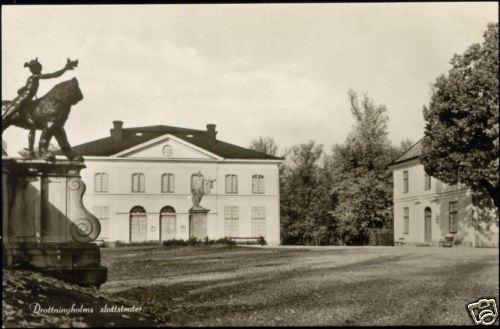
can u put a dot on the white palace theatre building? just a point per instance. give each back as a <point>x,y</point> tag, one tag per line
<point>427,211</point>
<point>139,184</point>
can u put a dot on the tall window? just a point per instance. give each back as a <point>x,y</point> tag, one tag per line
<point>192,180</point>
<point>258,184</point>
<point>258,221</point>
<point>231,184</point>
<point>138,182</point>
<point>406,220</point>
<point>427,182</point>
<point>405,181</point>
<point>231,217</point>
<point>101,182</point>
<point>453,217</point>
<point>167,183</point>
<point>102,214</point>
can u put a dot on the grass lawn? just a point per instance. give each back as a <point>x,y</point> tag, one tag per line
<point>224,286</point>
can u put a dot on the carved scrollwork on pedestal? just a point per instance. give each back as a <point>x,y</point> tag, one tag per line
<point>85,226</point>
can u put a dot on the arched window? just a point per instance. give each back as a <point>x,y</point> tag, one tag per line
<point>138,182</point>
<point>192,179</point>
<point>167,183</point>
<point>231,184</point>
<point>258,184</point>
<point>168,223</point>
<point>101,182</point>
<point>138,210</point>
<point>138,224</point>
<point>167,210</point>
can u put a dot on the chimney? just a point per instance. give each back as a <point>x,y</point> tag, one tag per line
<point>211,133</point>
<point>117,132</point>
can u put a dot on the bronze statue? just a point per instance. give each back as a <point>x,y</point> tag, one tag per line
<point>200,187</point>
<point>48,113</point>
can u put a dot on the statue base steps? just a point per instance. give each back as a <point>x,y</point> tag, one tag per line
<point>78,263</point>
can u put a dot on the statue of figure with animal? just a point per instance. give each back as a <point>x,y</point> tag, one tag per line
<point>47,113</point>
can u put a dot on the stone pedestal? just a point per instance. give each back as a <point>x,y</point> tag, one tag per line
<point>198,223</point>
<point>45,224</point>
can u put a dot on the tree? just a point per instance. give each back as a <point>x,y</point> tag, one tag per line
<point>265,145</point>
<point>404,146</point>
<point>362,184</point>
<point>461,140</point>
<point>305,198</point>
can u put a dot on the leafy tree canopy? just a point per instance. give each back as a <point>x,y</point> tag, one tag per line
<point>461,140</point>
<point>265,145</point>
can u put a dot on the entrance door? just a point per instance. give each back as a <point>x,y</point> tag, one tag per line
<point>138,224</point>
<point>428,224</point>
<point>167,223</point>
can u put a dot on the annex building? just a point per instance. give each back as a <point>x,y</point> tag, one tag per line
<point>426,209</point>
<point>139,184</point>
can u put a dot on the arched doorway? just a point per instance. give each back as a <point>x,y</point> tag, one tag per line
<point>167,223</point>
<point>138,225</point>
<point>428,224</point>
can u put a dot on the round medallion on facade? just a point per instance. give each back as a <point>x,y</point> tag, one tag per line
<point>167,151</point>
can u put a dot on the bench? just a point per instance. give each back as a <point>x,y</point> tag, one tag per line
<point>446,241</point>
<point>400,242</point>
<point>241,240</point>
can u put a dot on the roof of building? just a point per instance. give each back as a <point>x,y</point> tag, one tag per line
<point>131,137</point>
<point>412,153</point>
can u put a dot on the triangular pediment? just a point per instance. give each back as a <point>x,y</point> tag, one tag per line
<point>167,147</point>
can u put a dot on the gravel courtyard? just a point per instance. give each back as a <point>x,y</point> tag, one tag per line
<point>227,286</point>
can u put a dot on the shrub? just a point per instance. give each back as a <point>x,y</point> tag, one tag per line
<point>197,242</point>
<point>121,243</point>
<point>262,241</point>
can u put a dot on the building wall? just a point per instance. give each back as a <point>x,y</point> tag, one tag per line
<point>475,226</point>
<point>119,199</point>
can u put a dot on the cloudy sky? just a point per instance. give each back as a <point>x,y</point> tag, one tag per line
<point>280,70</point>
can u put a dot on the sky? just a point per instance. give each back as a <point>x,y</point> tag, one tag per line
<point>278,70</point>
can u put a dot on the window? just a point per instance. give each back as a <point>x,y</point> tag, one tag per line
<point>138,182</point>
<point>231,216</point>
<point>138,224</point>
<point>257,184</point>
<point>406,220</point>
<point>427,182</point>
<point>231,184</point>
<point>102,214</point>
<point>101,182</point>
<point>405,181</point>
<point>258,221</point>
<point>167,183</point>
<point>453,217</point>
<point>198,180</point>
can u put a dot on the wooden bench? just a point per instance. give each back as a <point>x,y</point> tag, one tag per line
<point>446,241</point>
<point>400,242</point>
<point>241,240</point>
